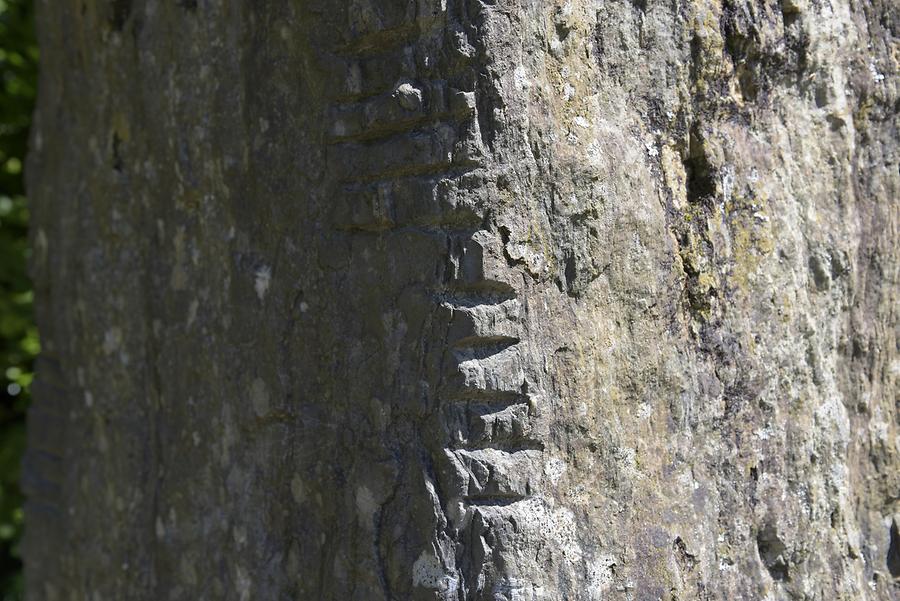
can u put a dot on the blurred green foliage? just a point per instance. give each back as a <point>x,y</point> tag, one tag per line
<point>18,335</point>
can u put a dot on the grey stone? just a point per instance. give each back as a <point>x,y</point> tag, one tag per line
<point>465,301</point>
<point>408,96</point>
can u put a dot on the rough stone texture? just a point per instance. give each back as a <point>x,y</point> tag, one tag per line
<point>509,300</point>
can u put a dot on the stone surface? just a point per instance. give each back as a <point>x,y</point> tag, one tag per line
<point>507,300</point>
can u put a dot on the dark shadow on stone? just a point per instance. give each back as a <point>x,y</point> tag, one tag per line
<point>893,554</point>
<point>772,553</point>
<point>121,10</point>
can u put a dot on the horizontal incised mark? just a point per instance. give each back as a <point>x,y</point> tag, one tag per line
<point>489,344</point>
<point>43,509</point>
<point>387,115</point>
<point>36,487</point>
<point>449,168</point>
<point>414,201</point>
<point>497,398</point>
<point>424,229</point>
<point>503,426</point>
<point>511,446</point>
<point>485,292</point>
<point>493,500</point>
<point>386,38</point>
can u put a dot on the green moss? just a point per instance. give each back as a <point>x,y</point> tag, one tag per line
<point>751,241</point>
<point>700,283</point>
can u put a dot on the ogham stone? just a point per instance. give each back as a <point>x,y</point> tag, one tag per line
<point>461,300</point>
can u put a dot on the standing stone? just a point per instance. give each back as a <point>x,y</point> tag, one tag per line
<point>466,300</point>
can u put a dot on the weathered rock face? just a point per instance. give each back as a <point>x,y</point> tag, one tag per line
<point>459,300</point>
